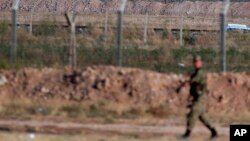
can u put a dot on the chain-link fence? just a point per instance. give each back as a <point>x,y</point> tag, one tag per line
<point>48,45</point>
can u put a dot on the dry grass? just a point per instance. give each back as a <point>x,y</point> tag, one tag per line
<point>162,52</point>
<point>133,36</point>
<point>238,39</point>
<point>229,118</point>
<point>24,108</point>
<point>95,137</point>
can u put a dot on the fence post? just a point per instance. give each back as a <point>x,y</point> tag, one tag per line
<point>222,42</point>
<point>31,16</point>
<point>106,26</point>
<point>181,31</point>
<point>72,50</point>
<point>119,32</point>
<point>222,35</point>
<point>145,38</point>
<point>13,49</point>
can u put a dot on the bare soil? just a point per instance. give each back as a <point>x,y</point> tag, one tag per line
<point>53,127</point>
<point>228,93</point>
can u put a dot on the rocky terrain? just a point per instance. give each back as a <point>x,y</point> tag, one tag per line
<point>228,92</point>
<point>197,8</point>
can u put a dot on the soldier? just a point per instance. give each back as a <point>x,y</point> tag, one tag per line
<point>198,90</point>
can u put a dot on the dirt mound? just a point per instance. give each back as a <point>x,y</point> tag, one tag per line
<point>228,92</point>
<point>198,8</point>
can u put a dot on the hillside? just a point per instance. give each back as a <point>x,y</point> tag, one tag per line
<point>189,8</point>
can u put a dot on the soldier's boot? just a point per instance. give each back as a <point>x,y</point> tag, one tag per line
<point>214,133</point>
<point>187,134</point>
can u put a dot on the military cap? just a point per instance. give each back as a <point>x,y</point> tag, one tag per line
<point>196,58</point>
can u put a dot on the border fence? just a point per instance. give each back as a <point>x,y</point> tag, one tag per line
<point>95,38</point>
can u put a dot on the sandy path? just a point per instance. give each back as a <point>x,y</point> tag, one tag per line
<point>114,128</point>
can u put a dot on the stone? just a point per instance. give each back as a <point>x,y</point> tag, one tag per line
<point>3,80</point>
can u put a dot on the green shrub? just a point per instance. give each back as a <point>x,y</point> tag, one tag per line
<point>163,60</point>
<point>165,33</point>
<point>72,110</point>
<point>96,111</point>
<point>46,28</point>
<point>4,64</point>
<point>39,110</point>
<point>3,27</point>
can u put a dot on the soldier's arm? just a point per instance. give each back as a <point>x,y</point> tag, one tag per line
<point>183,83</point>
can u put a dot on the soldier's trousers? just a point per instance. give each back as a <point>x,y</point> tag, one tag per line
<point>198,112</point>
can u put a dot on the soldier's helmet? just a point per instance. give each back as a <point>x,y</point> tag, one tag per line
<point>197,58</point>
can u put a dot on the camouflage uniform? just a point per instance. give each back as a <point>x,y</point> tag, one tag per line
<point>198,90</point>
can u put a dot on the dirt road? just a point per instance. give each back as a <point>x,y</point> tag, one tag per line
<point>100,128</point>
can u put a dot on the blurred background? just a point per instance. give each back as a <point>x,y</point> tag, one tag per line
<point>59,78</point>
<point>151,37</point>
